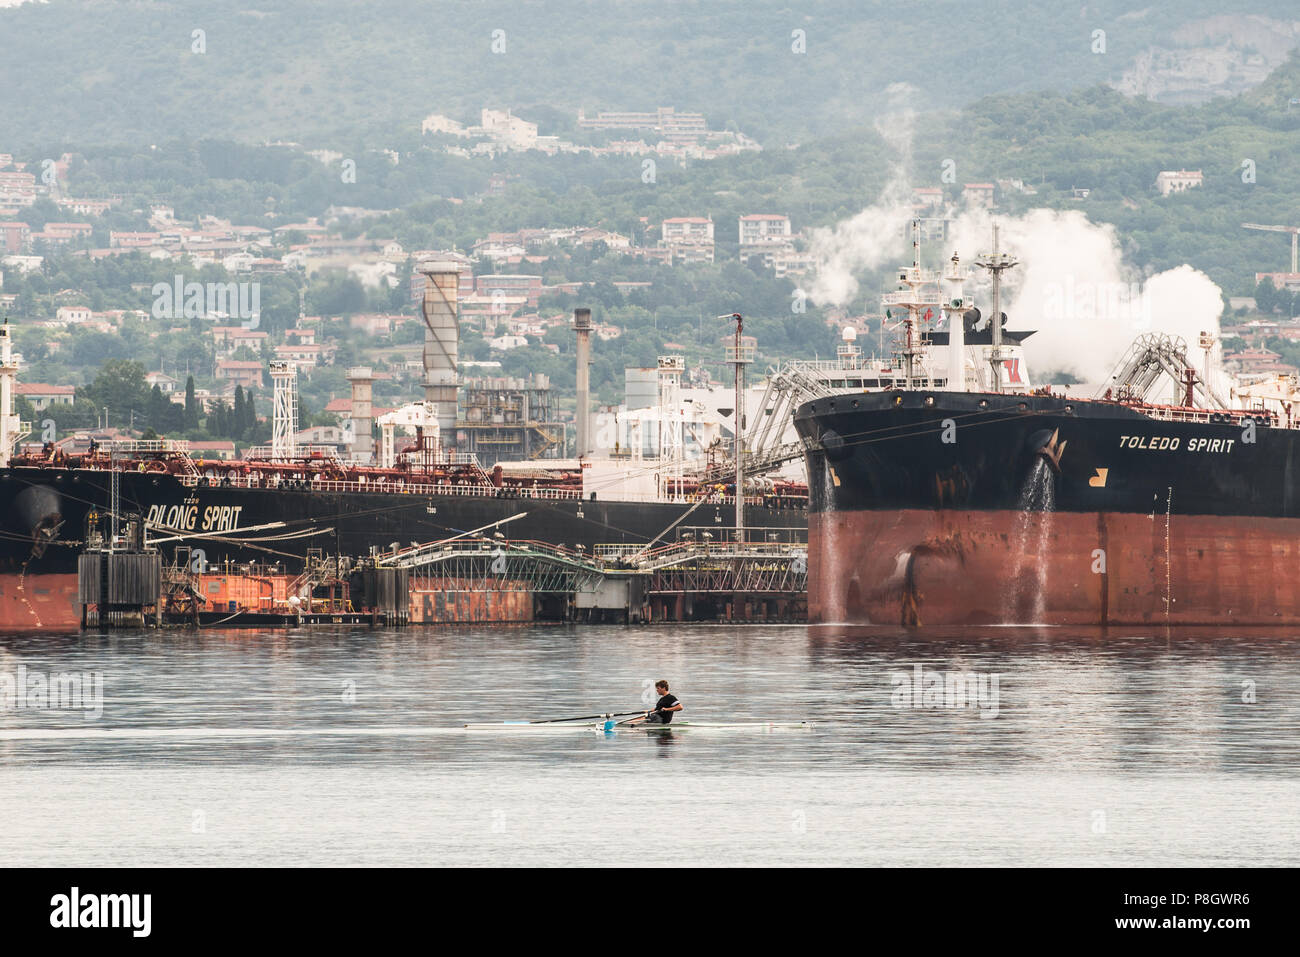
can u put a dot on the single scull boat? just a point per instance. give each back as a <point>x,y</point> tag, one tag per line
<point>608,726</point>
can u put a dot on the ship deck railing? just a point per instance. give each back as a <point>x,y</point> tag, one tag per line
<point>269,453</point>
<point>686,567</point>
<point>636,556</point>
<point>150,446</point>
<point>216,480</point>
<point>1167,413</point>
<point>716,539</point>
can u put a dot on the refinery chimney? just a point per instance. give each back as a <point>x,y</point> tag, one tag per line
<point>582,326</point>
<point>442,343</point>
<point>362,380</point>
<point>12,431</point>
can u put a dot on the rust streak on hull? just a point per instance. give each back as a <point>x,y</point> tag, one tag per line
<point>46,603</point>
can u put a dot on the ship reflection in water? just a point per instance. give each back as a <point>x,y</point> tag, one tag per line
<point>981,746</point>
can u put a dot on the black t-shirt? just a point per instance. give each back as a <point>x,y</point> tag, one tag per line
<point>667,701</point>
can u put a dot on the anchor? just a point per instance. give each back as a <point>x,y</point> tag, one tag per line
<point>1049,447</point>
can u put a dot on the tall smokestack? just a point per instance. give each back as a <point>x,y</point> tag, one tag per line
<point>582,326</point>
<point>11,430</point>
<point>442,343</point>
<point>362,379</point>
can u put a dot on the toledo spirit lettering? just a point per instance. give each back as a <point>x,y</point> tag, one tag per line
<point>1172,443</point>
<point>214,518</point>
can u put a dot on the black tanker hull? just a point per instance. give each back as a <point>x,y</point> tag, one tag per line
<point>265,524</point>
<point>950,508</point>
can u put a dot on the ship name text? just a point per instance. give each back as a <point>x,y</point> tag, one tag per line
<point>1172,443</point>
<point>214,518</point>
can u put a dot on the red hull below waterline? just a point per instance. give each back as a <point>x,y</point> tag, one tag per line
<point>46,603</point>
<point>955,567</point>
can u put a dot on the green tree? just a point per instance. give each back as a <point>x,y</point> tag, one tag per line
<point>191,405</point>
<point>218,421</point>
<point>163,415</point>
<point>120,387</point>
<point>249,427</point>
<point>155,412</point>
<point>1266,296</point>
<point>235,424</point>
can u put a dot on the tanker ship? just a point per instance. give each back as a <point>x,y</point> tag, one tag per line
<point>280,503</point>
<point>964,495</point>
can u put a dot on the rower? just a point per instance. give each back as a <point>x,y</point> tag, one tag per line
<point>663,712</point>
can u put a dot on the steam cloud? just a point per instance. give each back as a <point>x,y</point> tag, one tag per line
<point>874,237</point>
<point>1072,284</point>
<point>1074,287</point>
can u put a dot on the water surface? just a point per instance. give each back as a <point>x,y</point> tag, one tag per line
<point>344,747</point>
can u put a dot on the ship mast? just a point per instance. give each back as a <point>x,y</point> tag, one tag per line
<point>996,263</point>
<point>912,299</point>
<point>740,355</point>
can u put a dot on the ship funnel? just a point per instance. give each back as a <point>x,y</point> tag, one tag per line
<point>442,343</point>
<point>582,326</point>
<point>956,310</point>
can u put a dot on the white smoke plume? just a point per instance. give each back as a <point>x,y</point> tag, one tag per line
<point>1072,285</point>
<point>1074,288</point>
<point>873,237</point>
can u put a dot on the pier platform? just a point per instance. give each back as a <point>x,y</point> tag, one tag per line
<point>702,574</point>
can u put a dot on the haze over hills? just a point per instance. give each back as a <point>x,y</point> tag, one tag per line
<point>299,70</point>
<point>1069,160</point>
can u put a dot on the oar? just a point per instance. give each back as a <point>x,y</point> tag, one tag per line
<point>587,717</point>
<point>610,725</point>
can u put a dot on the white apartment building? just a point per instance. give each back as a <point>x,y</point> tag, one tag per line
<point>689,238</point>
<point>763,229</point>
